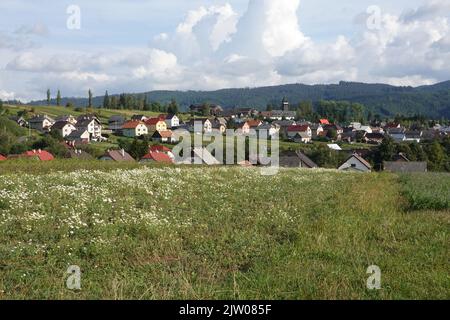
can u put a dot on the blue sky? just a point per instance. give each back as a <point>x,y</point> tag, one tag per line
<point>141,45</point>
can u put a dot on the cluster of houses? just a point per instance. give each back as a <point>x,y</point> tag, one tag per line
<point>289,159</point>
<point>159,128</point>
<point>82,129</point>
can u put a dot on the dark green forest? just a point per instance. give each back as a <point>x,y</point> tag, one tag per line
<point>387,101</point>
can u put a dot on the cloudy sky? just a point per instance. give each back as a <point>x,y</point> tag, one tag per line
<point>143,45</point>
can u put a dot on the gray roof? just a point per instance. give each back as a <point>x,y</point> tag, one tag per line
<point>284,123</point>
<point>118,155</point>
<point>413,134</point>
<point>75,134</point>
<point>293,159</point>
<point>286,114</point>
<point>116,118</point>
<point>60,125</point>
<point>405,166</point>
<point>40,118</point>
<point>78,154</point>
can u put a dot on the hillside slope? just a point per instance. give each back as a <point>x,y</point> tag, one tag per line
<point>386,100</point>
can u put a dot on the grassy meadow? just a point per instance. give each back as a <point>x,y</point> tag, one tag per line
<point>215,233</point>
<point>55,111</point>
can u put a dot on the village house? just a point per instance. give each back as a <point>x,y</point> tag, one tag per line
<point>253,124</point>
<point>270,130</point>
<point>133,129</point>
<point>172,121</point>
<point>2,158</point>
<point>78,137</point>
<point>374,138</point>
<point>78,154</point>
<point>316,130</point>
<point>243,128</point>
<point>339,130</point>
<point>398,134</point>
<point>92,125</point>
<point>282,115</point>
<point>413,136</point>
<point>359,127</point>
<point>116,155</point>
<point>115,123</point>
<point>283,126</point>
<point>204,123</point>
<point>156,157</point>
<point>296,159</point>
<point>166,136</point>
<point>42,123</point>
<point>300,133</point>
<point>41,155</point>
<point>67,118</point>
<point>139,117</point>
<point>245,113</point>
<point>63,128</point>
<point>155,124</point>
<point>349,136</point>
<point>218,126</point>
<point>163,149</point>
<point>19,120</point>
<point>356,163</point>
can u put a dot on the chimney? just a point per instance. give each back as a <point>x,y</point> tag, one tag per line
<point>123,153</point>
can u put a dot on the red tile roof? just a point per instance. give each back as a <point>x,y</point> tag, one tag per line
<point>152,121</point>
<point>2,158</point>
<point>254,123</point>
<point>324,121</point>
<point>159,149</point>
<point>165,134</point>
<point>162,117</point>
<point>298,128</point>
<point>41,154</point>
<point>131,124</point>
<point>158,157</point>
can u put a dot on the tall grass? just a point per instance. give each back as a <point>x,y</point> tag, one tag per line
<point>215,233</point>
<point>426,191</point>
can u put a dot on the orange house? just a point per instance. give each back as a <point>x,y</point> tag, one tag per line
<point>156,124</point>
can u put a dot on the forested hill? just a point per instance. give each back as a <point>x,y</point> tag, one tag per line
<point>432,101</point>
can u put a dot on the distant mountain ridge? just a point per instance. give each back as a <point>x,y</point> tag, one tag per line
<point>386,100</point>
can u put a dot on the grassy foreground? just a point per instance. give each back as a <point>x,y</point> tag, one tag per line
<point>209,233</point>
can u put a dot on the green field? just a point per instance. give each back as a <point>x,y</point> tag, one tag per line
<point>208,233</point>
<point>54,111</point>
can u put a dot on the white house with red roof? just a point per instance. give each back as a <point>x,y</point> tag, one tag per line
<point>300,133</point>
<point>134,129</point>
<point>162,149</point>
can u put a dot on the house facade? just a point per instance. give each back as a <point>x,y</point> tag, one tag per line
<point>64,128</point>
<point>92,125</point>
<point>356,163</point>
<point>155,124</point>
<point>134,129</point>
<point>115,123</point>
<point>42,123</point>
<point>300,133</point>
<point>172,121</point>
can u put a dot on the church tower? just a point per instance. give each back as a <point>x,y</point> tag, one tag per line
<point>285,104</point>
